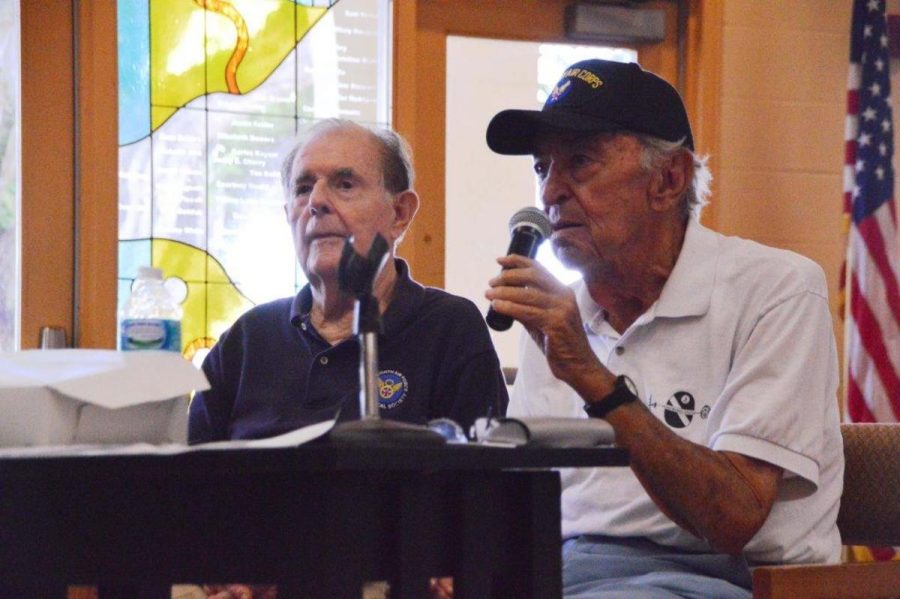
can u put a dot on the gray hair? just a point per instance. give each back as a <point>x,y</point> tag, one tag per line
<point>397,174</point>
<point>657,151</point>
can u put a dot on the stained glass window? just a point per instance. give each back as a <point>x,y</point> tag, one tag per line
<point>211,96</point>
<point>9,175</point>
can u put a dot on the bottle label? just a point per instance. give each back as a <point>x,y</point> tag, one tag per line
<point>151,333</point>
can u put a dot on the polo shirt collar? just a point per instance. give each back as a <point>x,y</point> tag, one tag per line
<point>688,291</point>
<point>408,297</point>
<point>406,303</point>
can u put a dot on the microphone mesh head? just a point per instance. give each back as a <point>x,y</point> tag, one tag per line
<point>531,217</point>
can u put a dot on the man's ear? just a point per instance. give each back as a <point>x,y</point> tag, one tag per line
<point>671,181</point>
<point>406,204</point>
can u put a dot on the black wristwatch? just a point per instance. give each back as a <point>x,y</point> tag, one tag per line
<point>624,391</point>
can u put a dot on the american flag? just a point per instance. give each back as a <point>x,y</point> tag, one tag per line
<point>870,284</point>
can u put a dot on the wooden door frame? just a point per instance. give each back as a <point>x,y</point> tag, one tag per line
<point>420,35</point>
<point>97,175</point>
<point>69,194</point>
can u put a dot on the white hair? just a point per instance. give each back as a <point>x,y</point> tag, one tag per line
<point>655,153</point>
<point>397,171</point>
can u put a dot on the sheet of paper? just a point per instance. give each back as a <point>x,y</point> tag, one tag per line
<point>291,439</point>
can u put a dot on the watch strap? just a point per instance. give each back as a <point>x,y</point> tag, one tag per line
<point>621,394</point>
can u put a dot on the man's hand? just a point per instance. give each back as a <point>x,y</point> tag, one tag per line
<point>526,291</point>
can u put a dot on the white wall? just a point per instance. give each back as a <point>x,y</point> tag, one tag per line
<point>484,189</point>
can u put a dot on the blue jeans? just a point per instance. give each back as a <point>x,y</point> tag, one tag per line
<point>599,567</point>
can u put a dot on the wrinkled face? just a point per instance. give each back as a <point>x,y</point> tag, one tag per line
<point>595,192</point>
<point>336,191</point>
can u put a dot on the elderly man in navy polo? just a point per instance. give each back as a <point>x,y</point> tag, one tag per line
<point>712,357</point>
<point>294,361</point>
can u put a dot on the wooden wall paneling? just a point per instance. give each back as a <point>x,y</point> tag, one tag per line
<point>47,208</point>
<point>428,233</point>
<point>703,86</point>
<point>404,101</point>
<point>501,19</point>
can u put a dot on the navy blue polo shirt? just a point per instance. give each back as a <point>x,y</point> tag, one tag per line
<point>271,372</point>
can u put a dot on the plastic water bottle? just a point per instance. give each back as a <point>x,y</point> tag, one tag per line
<point>150,318</point>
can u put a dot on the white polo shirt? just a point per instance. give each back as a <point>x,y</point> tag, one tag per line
<point>737,354</point>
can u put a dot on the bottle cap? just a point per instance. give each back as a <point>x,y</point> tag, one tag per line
<point>148,272</point>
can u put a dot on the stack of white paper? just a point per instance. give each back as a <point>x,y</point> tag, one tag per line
<point>74,396</point>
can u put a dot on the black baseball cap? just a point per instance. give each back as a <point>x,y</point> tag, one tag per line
<point>595,96</point>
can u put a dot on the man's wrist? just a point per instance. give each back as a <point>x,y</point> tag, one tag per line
<point>624,391</point>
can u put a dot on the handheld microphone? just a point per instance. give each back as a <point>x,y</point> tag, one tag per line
<point>527,228</point>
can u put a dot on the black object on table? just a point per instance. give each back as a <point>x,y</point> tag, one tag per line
<point>318,520</point>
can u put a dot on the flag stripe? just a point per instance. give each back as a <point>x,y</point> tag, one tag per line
<point>856,404</point>
<point>870,232</point>
<point>873,343</point>
<point>863,371</point>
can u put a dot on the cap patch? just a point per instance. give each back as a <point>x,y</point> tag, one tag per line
<point>560,90</point>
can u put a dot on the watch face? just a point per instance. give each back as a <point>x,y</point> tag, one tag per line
<point>629,384</point>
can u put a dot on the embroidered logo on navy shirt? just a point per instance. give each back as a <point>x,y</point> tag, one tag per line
<point>392,388</point>
<point>680,409</point>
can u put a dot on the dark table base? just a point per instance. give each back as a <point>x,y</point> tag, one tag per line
<point>319,535</point>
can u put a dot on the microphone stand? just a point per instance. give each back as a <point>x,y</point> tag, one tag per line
<point>356,276</point>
